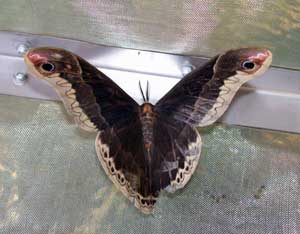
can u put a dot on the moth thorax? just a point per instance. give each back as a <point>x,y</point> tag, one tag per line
<point>147,117</point>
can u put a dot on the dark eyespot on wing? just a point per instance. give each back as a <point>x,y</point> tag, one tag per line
<point>49,67</point>
<point>248,65</point>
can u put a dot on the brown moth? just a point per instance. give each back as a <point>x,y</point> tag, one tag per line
<point>147,148</point>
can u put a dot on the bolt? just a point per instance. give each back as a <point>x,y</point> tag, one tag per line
<point>23,48</point>
<point>186,69</point>
<point>20,78</point>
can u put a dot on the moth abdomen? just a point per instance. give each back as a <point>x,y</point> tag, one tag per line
<point>147,117</point>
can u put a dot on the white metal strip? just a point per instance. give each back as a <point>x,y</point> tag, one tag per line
<point>271,101</point>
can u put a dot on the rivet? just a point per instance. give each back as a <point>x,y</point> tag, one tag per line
<point>186,69</point>
<point>23,48</point>
<point>20,78</point>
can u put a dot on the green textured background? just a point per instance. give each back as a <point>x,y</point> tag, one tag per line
<point>191,27</point>
<point>247,180</point>
<point>51,181</point>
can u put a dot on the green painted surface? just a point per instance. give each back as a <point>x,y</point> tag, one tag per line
<point>186,27</point>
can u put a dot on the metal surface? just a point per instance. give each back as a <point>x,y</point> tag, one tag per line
<point>190,27</point>
<point>51,181</point>
<point>272,101</point>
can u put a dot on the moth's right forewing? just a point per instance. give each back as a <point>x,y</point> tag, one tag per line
<point>189,100</point>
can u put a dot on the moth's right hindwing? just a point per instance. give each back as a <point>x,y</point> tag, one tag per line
<point>177,149</point>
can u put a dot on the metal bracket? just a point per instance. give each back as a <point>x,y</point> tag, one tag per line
<point>271,101</point>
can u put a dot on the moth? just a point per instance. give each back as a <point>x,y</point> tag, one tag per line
<point>147,148</point>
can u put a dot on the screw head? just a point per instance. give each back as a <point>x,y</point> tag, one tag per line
<point>23,48</point>
<point>20,78</point>
<point>186,69</point>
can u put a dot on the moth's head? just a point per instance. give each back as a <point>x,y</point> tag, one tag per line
<point>47,62</point>
<point>247,62</point>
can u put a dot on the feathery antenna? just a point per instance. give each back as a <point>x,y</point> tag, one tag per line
<point>145,99</point>
<point>142,91</point>
<point>147,91</point>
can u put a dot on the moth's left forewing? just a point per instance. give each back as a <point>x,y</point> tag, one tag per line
<point>63,82</point>
<point>91,97</point>
<point>70,97</point>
